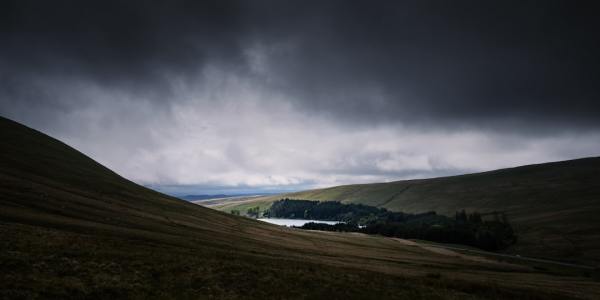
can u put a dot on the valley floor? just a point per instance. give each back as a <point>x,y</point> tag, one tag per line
<point>49,263</point>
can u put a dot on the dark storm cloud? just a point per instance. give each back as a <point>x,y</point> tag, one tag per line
<point>290,94</point>
<point>123,44</point>
<point>458,61</point>
<point>429,62</point>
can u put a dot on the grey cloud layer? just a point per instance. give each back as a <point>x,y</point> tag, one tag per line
<point>280,93</point>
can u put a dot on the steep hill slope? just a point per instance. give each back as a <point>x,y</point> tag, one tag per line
<point>70,228</point>
<point>555,206</point>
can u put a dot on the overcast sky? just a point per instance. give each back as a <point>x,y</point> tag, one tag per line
<point>195,97</point>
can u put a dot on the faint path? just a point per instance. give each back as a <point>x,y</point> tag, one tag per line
<point>481,259</point>
<point>394,196</point>
<point>449,250</point>
<point>406,242</point>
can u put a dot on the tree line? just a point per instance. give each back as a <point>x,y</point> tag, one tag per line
<point>486,231</point>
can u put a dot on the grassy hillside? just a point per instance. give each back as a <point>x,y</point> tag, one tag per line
<point>71,228</point>
<point>554,206</point>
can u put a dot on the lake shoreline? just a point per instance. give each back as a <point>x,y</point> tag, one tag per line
<point>294,222</point>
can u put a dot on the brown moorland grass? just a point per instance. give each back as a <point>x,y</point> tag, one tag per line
<point>71,228</point>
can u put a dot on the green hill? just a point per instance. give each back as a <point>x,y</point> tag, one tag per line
<point>554,206</point>
<point>71,228</point>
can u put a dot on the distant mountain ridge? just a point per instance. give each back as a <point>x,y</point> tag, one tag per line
<point>555,206</point>
<point>203,197</point>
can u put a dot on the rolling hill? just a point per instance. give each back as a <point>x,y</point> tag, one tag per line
<point>555,207</point>
<point>71,228</point>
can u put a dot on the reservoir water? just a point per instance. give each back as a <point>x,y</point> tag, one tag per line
<point>294,222</point>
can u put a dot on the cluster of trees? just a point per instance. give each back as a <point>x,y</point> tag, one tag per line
<point>473,229</point>
<point>466,229</point>
<point>253,212</point>
<point>327,227</point>
<point>327,210</point>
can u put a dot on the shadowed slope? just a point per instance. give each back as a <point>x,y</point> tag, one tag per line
<point>71,228</point>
